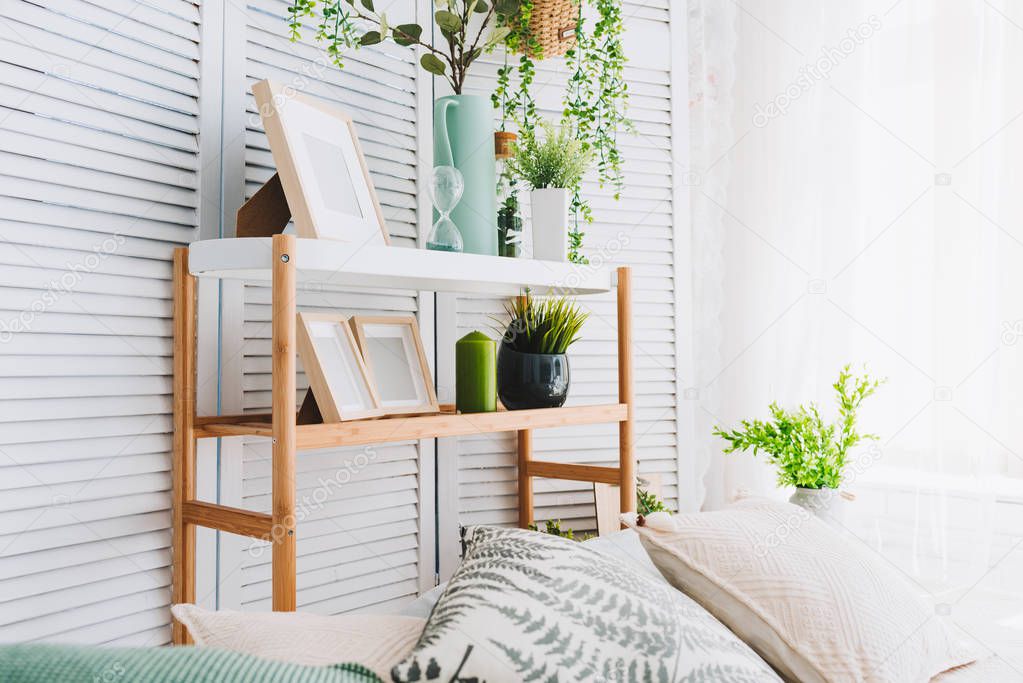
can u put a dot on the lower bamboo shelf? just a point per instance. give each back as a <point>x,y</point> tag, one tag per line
<point>409,428</point>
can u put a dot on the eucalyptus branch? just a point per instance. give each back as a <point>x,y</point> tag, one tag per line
<point>483,26</point>
<point>406,36</point>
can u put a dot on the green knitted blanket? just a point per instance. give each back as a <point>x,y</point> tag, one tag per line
<point>75,664</point>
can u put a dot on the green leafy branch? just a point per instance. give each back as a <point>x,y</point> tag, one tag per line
<point>808,452</point>
<point>343,24</point>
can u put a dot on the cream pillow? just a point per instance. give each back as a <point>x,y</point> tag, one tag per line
<point>816,605</point>
<point>377,642</point>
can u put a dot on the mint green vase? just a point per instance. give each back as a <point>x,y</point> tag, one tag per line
<point>463,137</point>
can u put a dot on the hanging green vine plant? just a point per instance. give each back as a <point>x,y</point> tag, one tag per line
<point>600,76</point>
<point>595,101</point>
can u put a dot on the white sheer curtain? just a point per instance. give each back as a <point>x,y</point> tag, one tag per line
<point>712,36</point>
<point>867,208</point>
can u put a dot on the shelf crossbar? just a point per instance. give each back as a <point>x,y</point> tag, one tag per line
<point>573,472</point>
<point>230,519</point>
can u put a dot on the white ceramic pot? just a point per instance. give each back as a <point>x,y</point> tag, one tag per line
<point>827,504</point>
<point>549,208</point>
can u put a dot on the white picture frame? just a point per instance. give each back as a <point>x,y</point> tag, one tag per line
<point>335,368</point>
<point>321,167</point>
<point>396,362</point>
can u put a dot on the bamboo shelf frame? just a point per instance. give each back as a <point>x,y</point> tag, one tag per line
<point>288,436</point>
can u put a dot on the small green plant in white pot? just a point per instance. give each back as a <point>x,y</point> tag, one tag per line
<point>810,454</point>
<point>550,167</point>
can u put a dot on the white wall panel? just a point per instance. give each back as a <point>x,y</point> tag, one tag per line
<point>99,173</point>
<point>113,116</point>
<point>360,539</point>
<point>639,230</point>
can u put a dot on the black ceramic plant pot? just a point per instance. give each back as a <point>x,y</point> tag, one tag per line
<point>531,380</point>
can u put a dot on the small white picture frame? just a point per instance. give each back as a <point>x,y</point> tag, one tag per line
<point>321,167</point>
<point>335,368</point>
<point>396,362</point>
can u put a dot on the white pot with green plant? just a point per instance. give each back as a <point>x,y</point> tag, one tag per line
<point>809,453</point>
<point>550,167</point>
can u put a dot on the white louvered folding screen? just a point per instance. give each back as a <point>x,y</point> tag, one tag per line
<point>99,177</point>
<point>638,231</point>
<point>360,543</point>
<point>107,133</point>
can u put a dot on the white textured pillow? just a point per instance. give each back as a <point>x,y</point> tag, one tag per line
<point>377,642</point>
<point>817,606</point>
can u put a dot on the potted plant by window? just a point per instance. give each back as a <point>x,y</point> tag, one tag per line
<point>551,167</point>
<point>809,453</point>
<point>532,365</point>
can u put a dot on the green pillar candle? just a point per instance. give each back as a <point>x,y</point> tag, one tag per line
<point>476,374</point>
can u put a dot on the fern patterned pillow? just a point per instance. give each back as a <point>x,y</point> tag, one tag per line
<point>818,607</point>
<point>525,606</point>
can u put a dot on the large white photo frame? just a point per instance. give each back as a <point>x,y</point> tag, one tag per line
<point>321,167</point>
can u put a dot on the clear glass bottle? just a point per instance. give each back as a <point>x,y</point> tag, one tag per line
<point>509,215</point>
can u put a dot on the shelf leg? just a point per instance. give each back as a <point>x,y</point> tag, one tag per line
<point>626,429</point>
<point>525,481</point>
<point>183,459</point>
<point>284,419</point>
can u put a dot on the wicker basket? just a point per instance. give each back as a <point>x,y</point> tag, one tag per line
<point>552,25</point>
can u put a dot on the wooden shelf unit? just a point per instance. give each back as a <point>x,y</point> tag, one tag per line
<point>285,261</point>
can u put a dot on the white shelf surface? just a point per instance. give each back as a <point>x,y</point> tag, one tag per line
<point>327,262</point>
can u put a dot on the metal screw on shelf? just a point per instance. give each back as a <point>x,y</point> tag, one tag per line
<point>285,258</point>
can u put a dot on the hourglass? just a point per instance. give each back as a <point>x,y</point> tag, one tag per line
<point>446,186</point>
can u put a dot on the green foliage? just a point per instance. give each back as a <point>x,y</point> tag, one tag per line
<point>553,527</point>
<point>647,502</point>
<point>597,96</point>
<point>559,160</point>
<point>520,105</point>
<point>807,451</point>
<point>575,244</point>
<point>342,24</point>
<point>548,326</point>
<point>433,65</point>
<point>595,102</point>
<point>406,34</point>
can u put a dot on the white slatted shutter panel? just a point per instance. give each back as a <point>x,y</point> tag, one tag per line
<point>99,172</point>
<point>359,542</point>
<point>636,231</point>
